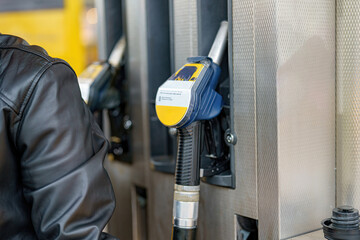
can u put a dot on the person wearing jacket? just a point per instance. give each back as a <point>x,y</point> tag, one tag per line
<point>52,181</point>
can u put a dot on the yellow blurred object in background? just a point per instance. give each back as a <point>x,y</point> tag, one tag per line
<point>58,30</point>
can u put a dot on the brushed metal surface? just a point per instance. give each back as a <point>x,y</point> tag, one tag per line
<point>185,24</point>
<point>266,119</point>
<point>120,224</point>
<point>136,72</point>
<point>295,86</point>
<point>348,102</point>
<point>244,107</point>
<point>311,236</point>
<point>101,29</point>
<point>125,176</point>
<point>160,199</point>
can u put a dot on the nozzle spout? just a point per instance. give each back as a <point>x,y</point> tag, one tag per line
<point>118,52</point>
<point>217,49</point>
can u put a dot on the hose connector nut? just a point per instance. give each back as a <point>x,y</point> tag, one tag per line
<point>230,138</point>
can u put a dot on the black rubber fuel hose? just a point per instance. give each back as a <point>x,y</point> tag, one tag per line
<point>183,234</point>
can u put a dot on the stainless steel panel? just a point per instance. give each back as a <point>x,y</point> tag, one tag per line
<point>295,84</point>
<point>120,222</point>
<point>216,213</point>
<point>101,29</point>
<point>244,106</point>
<point>124,176</point>
<point>311,236</point>
<point>185,24</point>
<point>160,198</point>
<point>136,73</point>
<point>266,107</point>
<point>348,102</point>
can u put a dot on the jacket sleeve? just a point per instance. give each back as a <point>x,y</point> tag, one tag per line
<point>62,151</point>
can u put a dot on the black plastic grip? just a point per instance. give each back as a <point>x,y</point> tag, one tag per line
<point>183,233</point>
<point>188,164</point>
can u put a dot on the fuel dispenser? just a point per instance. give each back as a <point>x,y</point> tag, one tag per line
<point>103,87</point>
<point>186,99</point>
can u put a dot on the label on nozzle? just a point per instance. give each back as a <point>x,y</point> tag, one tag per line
<point>174,96</point>
<point>172,101</point>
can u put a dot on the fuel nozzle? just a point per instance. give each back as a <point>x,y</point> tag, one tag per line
<point>344,224</point>
<point>182,102</point>
<point>97,80</point>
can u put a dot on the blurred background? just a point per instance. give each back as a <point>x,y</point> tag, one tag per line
<point>65,28</point>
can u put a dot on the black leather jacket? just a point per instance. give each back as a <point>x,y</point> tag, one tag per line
<point>52,181</point>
